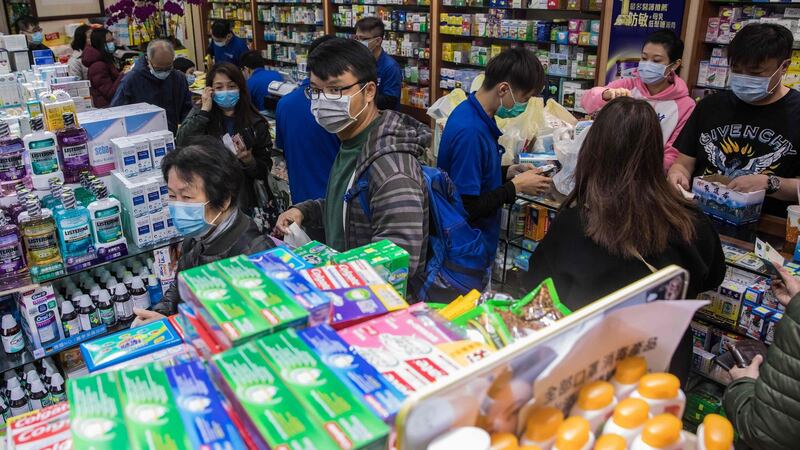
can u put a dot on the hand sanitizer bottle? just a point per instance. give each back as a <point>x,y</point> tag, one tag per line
<point>43,155</point>
<point>12,161</point>
<point>12,256</point>
<point>73,149</point>
<point>106,216</point>
<point>74,226</point>
<point>40,236</point>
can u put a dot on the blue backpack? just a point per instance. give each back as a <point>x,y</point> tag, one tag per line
<point>456,251</point>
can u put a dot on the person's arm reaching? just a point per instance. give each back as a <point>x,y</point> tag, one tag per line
<point>680,174</point>
<point>597,97</point>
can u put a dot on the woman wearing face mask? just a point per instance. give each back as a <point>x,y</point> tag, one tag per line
<point>226,108</point>
<point>202,204</point>
<point>186,67</point>
<point>657,82</point>
<point>80,41</point>
<point>102,68</point>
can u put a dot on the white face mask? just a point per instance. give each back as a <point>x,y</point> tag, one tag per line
<point>334,115</point>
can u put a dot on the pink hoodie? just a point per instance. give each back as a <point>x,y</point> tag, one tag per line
<point>673,106</point>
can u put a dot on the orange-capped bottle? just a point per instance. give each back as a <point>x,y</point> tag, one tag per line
<point>715,433</point>
<point>595,403</point>
<point>574,434</point>
<point>542,427</point>
<point>627,374</point>
<point>662,391</point>
<point>628,419</point>
<point>610,442</point>
<point>662,432</point>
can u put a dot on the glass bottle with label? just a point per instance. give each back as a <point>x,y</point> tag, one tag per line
<point>39,234</point>
<point>12,162</point>
<point>73,149</point>
<point>74,227</point>
<point>42,154</point>
<point>105,215</point>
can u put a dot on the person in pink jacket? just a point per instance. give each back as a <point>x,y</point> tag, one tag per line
<point>657,82</point>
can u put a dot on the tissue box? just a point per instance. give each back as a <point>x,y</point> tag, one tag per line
<point>716,200</point>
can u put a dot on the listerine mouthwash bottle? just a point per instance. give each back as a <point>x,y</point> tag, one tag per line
<point>40,236</point>
<point>74,227</point>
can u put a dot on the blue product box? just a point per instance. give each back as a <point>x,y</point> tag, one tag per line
<point>295,285</point>
<point>129,344</point>
<point>360,377</point>
<point>284,256</point>
<point>205,420</point>
<point>759,322</point>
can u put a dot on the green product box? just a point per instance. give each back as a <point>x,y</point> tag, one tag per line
<point>271,415</point>
<point>270,300</point>
<point>344,417</point>
<point>316,253</point>
<point>388,259</point>
<point>95,413</point>
<point>154,422</point>
<point>232,318</point>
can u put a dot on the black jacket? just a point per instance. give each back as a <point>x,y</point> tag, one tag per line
<point>241,238</point>
<point>199,122</point>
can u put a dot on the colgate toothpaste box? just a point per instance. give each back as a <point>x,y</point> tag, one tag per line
<point>387,258</point>
<point>271,415</point>
<point>361,378</point>
<point>315,253</point>
<point>44,428</point>
<point>205,420</point>
<point>96,415</point>
<point>343,416</point>
<point>338,276</point>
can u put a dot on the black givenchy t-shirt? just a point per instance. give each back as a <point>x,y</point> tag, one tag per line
<point>729,137</point>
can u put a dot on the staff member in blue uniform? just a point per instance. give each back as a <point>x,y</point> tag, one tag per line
<point>258,78</point>
<point>369,31</point>
<point>225,46</point>
<point>470,153</point>
<point>309,150</point>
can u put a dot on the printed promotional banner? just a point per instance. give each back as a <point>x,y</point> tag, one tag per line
<point>631,22</point>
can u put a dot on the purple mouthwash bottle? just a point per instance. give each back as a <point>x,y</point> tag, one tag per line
<point>12,256</point>
<point>12,162</point>
<point>73,149</point>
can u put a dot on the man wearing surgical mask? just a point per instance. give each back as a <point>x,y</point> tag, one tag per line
<point>29,26</point>
<point>656,80</point>
<point>202,204</point>
<point>748,134</point>
<point>154,80</point>
<point>376,189</point>
<point>369,32</point>
<point>225,46</point>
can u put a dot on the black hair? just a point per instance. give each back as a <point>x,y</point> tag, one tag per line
<point>25,22</point>
<point>220,29</point>
<point>371,24</point>
<point>244,111</point>
<point>79,38</point>
<point>316,42</point>
<point>758,42</point>
<point>252,60</point>
<point>98,41</point>
<point>207,158</point>
<point>339,55</point>
<point>519,67</point>
<point>672,43</point>
<point>182,64</point>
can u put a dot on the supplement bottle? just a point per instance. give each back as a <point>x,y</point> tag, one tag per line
<point>628,420</point>
<point>595,403</point>
<point>574,434</point>
<point>69,319</point>
<point>11,335</point>
<point>627,374</point>
<point>715,433</point>
<point>662,391</point>
<point>542,427</point>
<point>662,432</point>
<point>123,307</point>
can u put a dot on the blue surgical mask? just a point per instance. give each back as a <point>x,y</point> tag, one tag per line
<point>226,99</point>
<point>514,111</point>
<point>190,79</point>
<point>651,72</point>
<point>160,74</point>
<point>751,89</point>
<point>190,218</point>
<point>111,47</point>
<point>37,37</point>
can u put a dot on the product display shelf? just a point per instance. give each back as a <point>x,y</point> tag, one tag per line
<point>28,282</point>
<point>471,37</point>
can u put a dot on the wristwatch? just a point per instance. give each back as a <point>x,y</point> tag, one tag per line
<point>773,184</point>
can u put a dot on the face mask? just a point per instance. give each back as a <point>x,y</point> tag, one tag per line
<point>219,43</point>
<point>651,73</point>
<point>514,111</point>
<point>334,115</point>
<point>111,47</point>
<point>160,74</point>
<point>751,89</point>
<point>226,99</point>
<point>190,218</point>
<point>37,37</point>
<point>365,43</point>
<point>190,79</point>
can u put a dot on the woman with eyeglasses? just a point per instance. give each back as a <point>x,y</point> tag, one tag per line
<point>226,109</point>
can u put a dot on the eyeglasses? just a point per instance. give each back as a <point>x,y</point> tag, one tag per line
<point>331,93</point>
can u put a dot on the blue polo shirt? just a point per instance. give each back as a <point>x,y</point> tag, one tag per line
<point>230,52</point>
<point>258,83</point>
<point>470,154</point>
<point>390,77</point>
<point>309,150</point>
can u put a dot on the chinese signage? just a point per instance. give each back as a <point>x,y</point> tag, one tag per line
<point>631,22</point>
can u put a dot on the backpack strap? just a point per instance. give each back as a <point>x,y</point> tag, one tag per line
<point>360,189</point>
